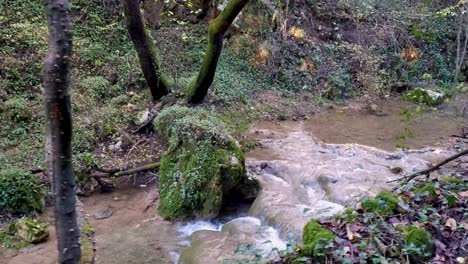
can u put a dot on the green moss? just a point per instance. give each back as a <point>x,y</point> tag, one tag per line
<point>453,180</point>
<point>426,190</point>
<point>419,243</point>
<point>20,192</point>
<point>348,215</point>
<point>316,239</point>
<point>384,204</point>
<point>87,251</point>
<point>203,166</point>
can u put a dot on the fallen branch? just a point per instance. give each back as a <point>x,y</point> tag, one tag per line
<point>428,171</point>
<point>102,173</point>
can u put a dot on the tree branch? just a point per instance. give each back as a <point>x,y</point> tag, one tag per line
<point>428,171</point>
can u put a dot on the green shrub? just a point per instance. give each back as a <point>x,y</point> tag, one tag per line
<point>17,109</point>
<point>20,192</point>
<point>98,87</point>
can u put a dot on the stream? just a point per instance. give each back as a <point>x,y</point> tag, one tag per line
<point>307,169</point>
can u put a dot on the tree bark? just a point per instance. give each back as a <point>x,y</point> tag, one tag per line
<point>198,88</point>
<point>59,129</point>
<point>156,81</point>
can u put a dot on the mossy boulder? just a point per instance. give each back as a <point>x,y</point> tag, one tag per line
<point>20,192</point>
<point>384,204</point>
<point>204,167</point>
<point>424,96</point>
<point>419,243</point>
<point>32,230</point>
<point>316,239</point>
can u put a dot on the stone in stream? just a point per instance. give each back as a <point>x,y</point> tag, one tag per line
<point>204,167</point>
<point>103,213</point>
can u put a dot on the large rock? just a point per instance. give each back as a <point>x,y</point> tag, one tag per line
<point>203,168</point>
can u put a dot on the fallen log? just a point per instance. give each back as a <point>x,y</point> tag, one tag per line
<point>107,173</point>
<point>428,171</point>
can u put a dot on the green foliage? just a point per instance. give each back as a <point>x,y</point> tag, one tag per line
<point>419,244</point>
<point>383,204</point>
<point>316,239</point>
<point>22,232</point>
<point>17,109</point>
<point>20,192</point>
<point>98,87</point>
<point>31,230</point>
<point>424,96</point>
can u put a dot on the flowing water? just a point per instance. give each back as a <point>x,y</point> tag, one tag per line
<point>307,169</point>
<point>313,168</point>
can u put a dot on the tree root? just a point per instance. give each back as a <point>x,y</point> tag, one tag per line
<point>428,171</point>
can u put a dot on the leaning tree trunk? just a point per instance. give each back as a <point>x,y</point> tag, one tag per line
<point>198,88</point>
<point>59,129</point>
<point>157,83</point>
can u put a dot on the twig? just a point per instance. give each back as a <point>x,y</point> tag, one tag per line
<point>406,179</point>
<point>131,150</point>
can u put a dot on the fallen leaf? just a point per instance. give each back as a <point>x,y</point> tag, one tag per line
<point>463,194</point>
<point>352,236</point>
<point>451,223</point>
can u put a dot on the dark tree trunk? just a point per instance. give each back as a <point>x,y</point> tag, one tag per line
<point>59,129</point>
<point>198,88</point>
<point>157,83</point>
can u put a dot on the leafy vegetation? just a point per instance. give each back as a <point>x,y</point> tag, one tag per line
<point>20,192</point>
<point>23,232</point>
<point>421,224</point>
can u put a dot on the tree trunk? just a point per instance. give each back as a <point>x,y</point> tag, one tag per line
<point>198,88</point>
<point>157,83</point>
<point>59,129</point>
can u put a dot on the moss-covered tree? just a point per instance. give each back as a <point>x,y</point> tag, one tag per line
<point>218,26</point>
<point>59,129</point>
<point>145,48</point>
<point>156,81</point>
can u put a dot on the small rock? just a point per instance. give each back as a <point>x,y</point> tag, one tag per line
<point>116,147</point>
<point>103,214</point>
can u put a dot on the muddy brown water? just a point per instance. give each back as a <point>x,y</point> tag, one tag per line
<point>356,124</point>
<point>307,169</point>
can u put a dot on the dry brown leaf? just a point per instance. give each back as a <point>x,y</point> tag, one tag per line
<point>352,236</point>
<point>463,194</point>
<point>451,223</point>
